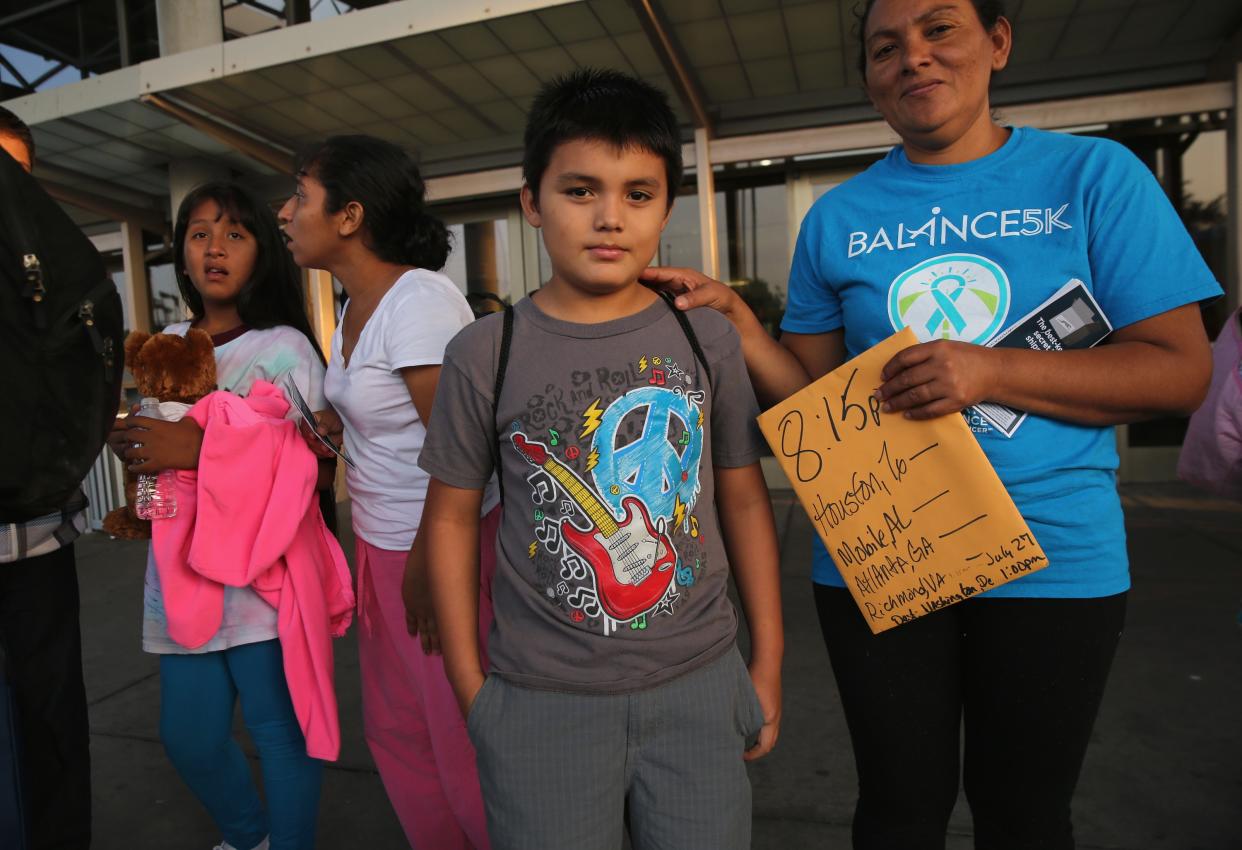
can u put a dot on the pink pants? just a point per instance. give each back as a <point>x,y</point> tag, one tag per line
<point>410,717</point>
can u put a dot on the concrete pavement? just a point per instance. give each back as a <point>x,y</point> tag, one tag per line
<point>1164,769</point>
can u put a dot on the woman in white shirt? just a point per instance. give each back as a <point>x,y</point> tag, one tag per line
<point>359,212</point>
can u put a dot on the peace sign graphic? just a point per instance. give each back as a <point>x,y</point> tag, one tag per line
<point>655,466</point>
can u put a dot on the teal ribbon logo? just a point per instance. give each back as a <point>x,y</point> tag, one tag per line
<point>961,297</point>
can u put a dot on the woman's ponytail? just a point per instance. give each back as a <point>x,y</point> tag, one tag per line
<point>428,242</point>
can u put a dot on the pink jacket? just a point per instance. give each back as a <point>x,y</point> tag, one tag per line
<point>1212,451</point>
<point>249,516</point>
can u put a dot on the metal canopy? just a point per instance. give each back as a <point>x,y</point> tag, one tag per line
<point>89,36</point>
<point>452,81</point>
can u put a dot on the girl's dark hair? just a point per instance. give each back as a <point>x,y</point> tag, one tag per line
<point>273,295</point>
<point>989,11</point>
<point>603,105</point>
<point>384,179</point>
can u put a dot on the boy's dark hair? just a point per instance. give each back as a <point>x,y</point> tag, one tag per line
<point>989,12</point>
<point>273,295</point>
<point>11,125</point>
<point>606,106</point>
<point>383,178</point>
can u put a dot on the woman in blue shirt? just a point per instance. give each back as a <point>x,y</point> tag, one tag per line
<point>963,228</point>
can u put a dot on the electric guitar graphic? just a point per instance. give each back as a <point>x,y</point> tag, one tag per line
<point>632,561</point>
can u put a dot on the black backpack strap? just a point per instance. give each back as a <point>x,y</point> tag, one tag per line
<point>506,341</point>
<point>684,321</point>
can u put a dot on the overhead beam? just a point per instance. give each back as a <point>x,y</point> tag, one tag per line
<point>197,103</point>
<point>33,45</point>
<point>47,172</point>
<point>48,74</point>
<point>109,208</point>
<point>1047,115</point>
<point>35,12</point>
<point>672,57</point>
<point>276,158</point>
<point>474,184</point>
<point>17,75</point>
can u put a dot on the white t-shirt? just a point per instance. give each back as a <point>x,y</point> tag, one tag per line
<point>256,355</point>
<point>411,325</point>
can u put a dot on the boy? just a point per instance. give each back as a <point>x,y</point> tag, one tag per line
<point>615,683</point>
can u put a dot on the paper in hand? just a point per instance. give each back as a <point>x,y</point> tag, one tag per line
<point>911,510</point>
<point>308,416</point>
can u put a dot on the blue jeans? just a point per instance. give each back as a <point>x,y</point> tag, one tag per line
<point>197,694</point>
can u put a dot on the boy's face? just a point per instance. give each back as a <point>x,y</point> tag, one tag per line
<point>17,149</point>
<point>601,211</point>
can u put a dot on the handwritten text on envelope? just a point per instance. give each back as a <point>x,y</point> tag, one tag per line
<point>911,511</point>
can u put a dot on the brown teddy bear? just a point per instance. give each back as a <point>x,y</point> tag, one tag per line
<point>171,368</point>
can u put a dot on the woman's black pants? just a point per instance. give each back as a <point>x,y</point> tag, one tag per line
<point>1023,679</point>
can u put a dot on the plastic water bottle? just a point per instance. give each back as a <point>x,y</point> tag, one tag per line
<point>157,493</point>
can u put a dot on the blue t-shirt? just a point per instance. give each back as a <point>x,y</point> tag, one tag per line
<point>962,252</point>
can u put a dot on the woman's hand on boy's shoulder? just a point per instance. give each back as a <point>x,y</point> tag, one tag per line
<point>768,688</point>
<point>691,288</point>
<point>329,425</point>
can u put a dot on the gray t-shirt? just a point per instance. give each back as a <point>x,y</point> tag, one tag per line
<point>611,572</point>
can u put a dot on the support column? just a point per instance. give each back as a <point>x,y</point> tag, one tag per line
<point>320,307</point>
<point>530,278</point>
<point>136,293</point>
<point>187,24</point>
<point>798,199</point>
<point>297,11</point>
<point>519,273</point>
<point>185,174</point>
<point>481,271</point>
<point>734,268</point>
<point>707,203</point>
<point>122,33</point>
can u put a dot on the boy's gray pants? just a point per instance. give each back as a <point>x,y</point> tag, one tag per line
<point>561,770</point>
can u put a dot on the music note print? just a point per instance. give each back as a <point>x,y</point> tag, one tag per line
<point>543,487</point>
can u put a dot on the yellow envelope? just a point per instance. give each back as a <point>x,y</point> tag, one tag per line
<point>911,511</point>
